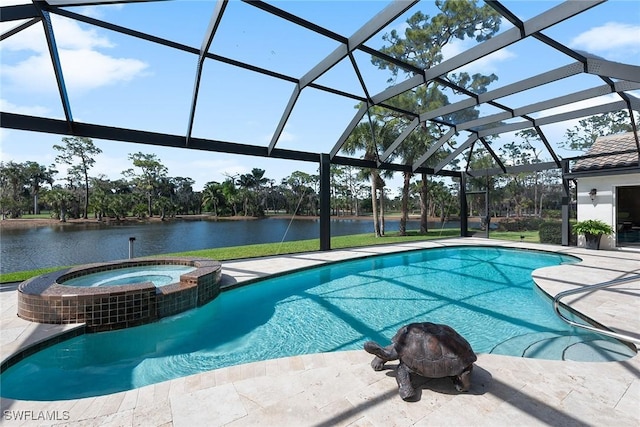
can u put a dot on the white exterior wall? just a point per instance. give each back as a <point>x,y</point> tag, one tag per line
<point>603,207</point>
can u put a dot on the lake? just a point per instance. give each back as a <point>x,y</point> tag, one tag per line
<point>58,245</point>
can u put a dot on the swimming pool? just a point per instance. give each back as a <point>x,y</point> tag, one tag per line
<point>485,293</point>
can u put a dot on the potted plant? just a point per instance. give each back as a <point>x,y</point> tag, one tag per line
<point>592,229</point>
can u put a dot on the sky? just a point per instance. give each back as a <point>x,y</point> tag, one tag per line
<point>116,80</point>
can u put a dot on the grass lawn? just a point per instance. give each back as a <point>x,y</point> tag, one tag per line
<point>41,215</point>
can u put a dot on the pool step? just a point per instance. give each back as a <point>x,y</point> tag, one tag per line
<point>598,350</point>
<point>549,345</point>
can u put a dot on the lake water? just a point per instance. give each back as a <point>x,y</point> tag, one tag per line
<point>52,246</point>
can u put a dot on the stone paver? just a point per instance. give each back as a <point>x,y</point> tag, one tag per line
<point>341,389</point>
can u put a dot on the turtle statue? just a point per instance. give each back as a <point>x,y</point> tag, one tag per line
<point>429,350</point>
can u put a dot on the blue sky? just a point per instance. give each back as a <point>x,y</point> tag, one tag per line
<point>117,80</point>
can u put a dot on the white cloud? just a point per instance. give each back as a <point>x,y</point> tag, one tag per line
<point>287,136</point>
<point>84,67</point>
<point>609,37</point>
<point>31,38</point>
<point>98,11</point>
<point>68,35</point>
<point>34,110</point>
<point>13,2</point>
<point>88,69</point>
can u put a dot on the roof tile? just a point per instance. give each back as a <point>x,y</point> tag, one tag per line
<point>610,144</point>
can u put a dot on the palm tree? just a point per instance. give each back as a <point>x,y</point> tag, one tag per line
<point>212,195</point>
<point>260,182</point>
<point>371,137</point>
<point>230,193</point>
<point>60,200</point>
<point>246,182</point>
<point>102,192</point>
<point>412,148</point>
<point>37,175</point>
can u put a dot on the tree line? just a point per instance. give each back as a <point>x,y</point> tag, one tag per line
<point>146,190</point>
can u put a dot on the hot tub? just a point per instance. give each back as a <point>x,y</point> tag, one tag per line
<point>120,294</point>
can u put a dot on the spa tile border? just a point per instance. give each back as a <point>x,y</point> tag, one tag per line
<point>45,299</point>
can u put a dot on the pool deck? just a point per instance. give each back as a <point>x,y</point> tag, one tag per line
<point>341,389</point>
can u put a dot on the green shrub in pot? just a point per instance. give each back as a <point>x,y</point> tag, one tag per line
<point>592,229</point>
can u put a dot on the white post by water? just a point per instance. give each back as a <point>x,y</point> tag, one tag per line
<point>131,240</point>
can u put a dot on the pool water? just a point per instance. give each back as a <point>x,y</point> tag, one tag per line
<point>485,293</point>
<point>159,275</point>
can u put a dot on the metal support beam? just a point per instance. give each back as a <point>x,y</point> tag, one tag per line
<point>285,117</point>
<point>448,109</point>
<point>487,214</point>
<point>493,154</point>
<point>615,70</point>
<point>545,141</point>
<point>469,154</point>
<point>584,112</point>
<point>350,127</point>
<point>464,225</point>
<point>566,205</point>
<point>399,88</point>
<point>325,202</point>
<point>533,82</point>
<point>456,152</point>
<point>124,30</point>
<point>216,17</point>
<point>634,103</point>
<point>356,69</point>
<point>405,133</point>
<point>530,167</point>
<point>435,147</point>
<point>482,121</point>
<point>55,126</point>
<point>18,28</point>
<point>18,12</point>
<point>488,97</point>
<point>57,66</point>
<point>78,3</point>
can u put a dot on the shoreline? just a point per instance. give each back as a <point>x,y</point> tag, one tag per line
<point>23,223</point>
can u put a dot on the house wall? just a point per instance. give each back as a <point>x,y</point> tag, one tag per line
<point>603,207</point>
